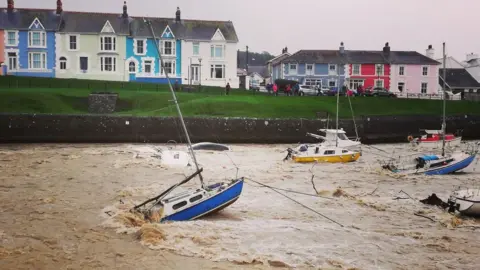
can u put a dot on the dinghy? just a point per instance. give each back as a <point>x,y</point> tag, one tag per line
<point>466,201</point>
<point>194,203</point>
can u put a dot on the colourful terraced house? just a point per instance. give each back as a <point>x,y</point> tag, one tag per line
<point>28,41</point>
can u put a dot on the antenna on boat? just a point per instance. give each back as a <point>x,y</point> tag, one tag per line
<point>174,100</point>
<point>444,123</point>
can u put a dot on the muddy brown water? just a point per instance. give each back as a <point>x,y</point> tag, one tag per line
<point>54,199</point>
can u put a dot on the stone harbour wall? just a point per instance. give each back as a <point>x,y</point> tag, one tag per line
<point>28,128</point>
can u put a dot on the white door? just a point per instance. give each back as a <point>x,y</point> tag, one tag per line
<point>12,61</point>
<point>195,70</point>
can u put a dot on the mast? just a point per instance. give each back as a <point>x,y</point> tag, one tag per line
<point>175,100</point>
<point>336,124</point>
<point>444,123</point>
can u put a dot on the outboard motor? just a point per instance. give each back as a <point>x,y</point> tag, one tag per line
<point>289,154</point>
<point>303,148</point>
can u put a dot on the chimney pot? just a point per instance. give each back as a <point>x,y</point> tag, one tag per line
<point>10,5</point>
<point>177,15</point>
<point>125,13</point>
<point>59,7</point>
<point>430,53</point>
<point>342,47</point>
<point>386,49</point>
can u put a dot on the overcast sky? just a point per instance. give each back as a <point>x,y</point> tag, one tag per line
<point>271,25</point>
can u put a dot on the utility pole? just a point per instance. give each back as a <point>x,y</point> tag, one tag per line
<point>246,68</point>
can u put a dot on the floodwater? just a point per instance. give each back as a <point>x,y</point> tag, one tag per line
<point>60,208</point>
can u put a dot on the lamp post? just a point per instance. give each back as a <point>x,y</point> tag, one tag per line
<point>200,75</point>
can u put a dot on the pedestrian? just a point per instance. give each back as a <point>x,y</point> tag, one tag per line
<point>227,89</point>
<point>289,88</point>
<point>275,89</point>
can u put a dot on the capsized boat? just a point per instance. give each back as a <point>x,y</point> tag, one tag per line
<point>433,139</point>
<point>210,146</point>
<point>316,153</point>
<point>466,201</point>
<point>332,136</point>
<point>190,204</point>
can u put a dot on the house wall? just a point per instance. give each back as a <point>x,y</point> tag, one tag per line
<point>320,72</point>
<point>2,52</point>
<point>413,79</point>
<point>257,78</point>
<point>89,46</point>
<point>367,74</point>
<point>229,60</point>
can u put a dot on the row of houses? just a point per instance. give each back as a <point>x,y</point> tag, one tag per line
<point>117,47</point>
<point>399,71</point>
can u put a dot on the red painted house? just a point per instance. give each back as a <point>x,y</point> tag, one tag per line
<point>369,68</point>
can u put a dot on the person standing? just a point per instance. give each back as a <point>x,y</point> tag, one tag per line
<point>275,89</point>
<point>227,89</point>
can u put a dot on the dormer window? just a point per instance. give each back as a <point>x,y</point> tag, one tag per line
<point>37,39</point>
<point>108,44</point>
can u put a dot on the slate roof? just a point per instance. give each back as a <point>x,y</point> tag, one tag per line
<point>262,70</point>
<point>278,58</point>
<point>360,57</point>
<point>91,22</point>
<point>21,19</point>
<point>458,78</point>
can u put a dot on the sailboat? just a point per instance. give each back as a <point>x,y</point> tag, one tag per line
<point>190,204</point>
<point>324,153</point>
<point>433,139</point>
<point>435,164</point>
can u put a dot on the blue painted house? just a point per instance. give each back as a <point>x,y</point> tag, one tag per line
<point>324,68</point>
<point>29,41</point>
<point>275,66</point>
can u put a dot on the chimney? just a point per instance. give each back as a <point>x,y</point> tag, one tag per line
<point>10,5</point>
<point>386,49</point>
<point>125,13</point>
<point>430,53</point>
<point>342,48</point>
<point>59,7</point>
<point>472,56</point>
<point>177,15</point>
<point>286,49</point>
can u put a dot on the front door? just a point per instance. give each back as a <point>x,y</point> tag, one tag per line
<point>12,61</point>
<point>194,74</point>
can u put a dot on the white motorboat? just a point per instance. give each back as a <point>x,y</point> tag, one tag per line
<point>466,201</point>
<point>332,136</point>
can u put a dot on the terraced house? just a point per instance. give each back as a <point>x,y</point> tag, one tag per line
<point>117,47</point>
<point>28,47</point>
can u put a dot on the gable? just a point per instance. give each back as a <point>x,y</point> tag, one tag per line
<point>107,28</point>
<point>36,25</point>
<point>218,36</point>
<point>167,33</point>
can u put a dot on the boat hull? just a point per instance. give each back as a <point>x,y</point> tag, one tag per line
<point>438,143</point>
<point>452,167</point>
<point>329,159</point>
<point>467,202</point>
<point>211,205</point>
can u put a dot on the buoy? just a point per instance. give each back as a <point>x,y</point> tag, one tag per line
<point>410,138</point>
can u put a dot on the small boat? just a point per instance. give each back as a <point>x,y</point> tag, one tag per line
<point>466,201</point>
<point>333,135</point>
<point>433,139</point>
<point>210,146</point>
<point>308,154</point>
<point>193,203</point>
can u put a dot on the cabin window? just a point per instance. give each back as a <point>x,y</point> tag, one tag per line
<point>342,136</point>
<point>196,198</point>
<point>329,152</point>
<point>179,205</point>
<point>344,151</point>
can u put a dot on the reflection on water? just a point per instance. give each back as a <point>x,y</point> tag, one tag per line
<point>60,203</point>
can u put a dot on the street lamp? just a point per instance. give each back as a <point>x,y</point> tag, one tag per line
<point>200,61</point>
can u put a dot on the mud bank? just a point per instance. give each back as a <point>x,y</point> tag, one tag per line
<point>120,129</point>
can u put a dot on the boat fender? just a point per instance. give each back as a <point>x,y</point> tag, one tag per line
<point>410,138</point>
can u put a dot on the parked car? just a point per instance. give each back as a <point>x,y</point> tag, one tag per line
<point>377,92</point>
<point>307,90</point>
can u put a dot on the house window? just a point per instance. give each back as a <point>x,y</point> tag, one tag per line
<point>356,69</point>
<point>63,63</point>
<point>425,71</point>
<point>83,63</point>
<point>401,70</point>
<point>12,60</point>
<point>379,83</point>
<point>141,46</point>
<point>293,69</point>
<point>332,83</point>
<point>72,41</point>
<point>217,71</point>
<point>312,82</point>
<point>108,44</point>
<point>12,38</point>
<point>196,48</point>
<point>354,84</point>
<point>401,86</point>
<point>147,66</point>
<point>37,39</point>
<point>424,87</point>
<point>379,70</point>
<point>216,51</point>
<point>132,67</point>
<point>37,60</point>
<point>169,67</point>
<point>168,47</point>
<point>108,64</point>
<point>332,69</point>
<point>309,69</point>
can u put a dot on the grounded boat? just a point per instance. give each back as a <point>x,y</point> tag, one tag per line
<point>327,154</point>
<point>435,164</point>
<point>190,204</point>
<point>466,201</point>
<point>210,146</point>
<point>332,136</point>
<point>433,139</point>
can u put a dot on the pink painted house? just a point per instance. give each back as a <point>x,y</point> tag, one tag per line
<point>414,73</point>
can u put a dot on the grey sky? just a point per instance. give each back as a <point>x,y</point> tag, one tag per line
<point>318,24</point>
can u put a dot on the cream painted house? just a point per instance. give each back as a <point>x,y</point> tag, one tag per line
<point>92,46</point>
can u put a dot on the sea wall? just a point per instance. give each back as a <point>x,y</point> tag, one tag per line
<point>113,129</point>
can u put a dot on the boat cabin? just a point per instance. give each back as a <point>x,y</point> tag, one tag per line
<point>435,135</point>
<point>332,134</point>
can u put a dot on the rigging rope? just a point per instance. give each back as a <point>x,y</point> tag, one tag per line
<point>353,117</point>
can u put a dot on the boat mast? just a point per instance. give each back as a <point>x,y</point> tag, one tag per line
<point>336,124</point>
<point>174,99</point>
<point>444,123</point>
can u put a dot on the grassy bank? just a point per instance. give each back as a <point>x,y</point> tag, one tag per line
<point>239,104</point>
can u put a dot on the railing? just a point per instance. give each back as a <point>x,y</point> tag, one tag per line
<point>428,96</point>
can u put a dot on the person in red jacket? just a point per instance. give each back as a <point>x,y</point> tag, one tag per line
<point>288,90</point>
<point>275,89</point>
